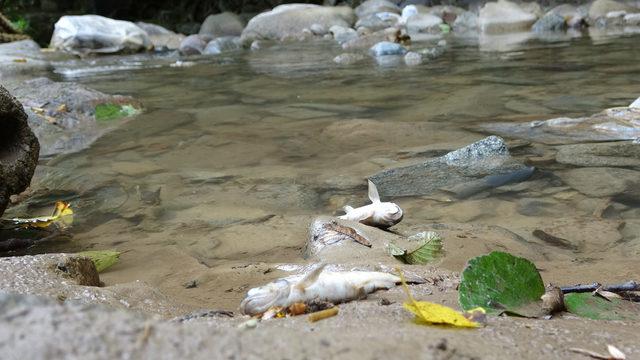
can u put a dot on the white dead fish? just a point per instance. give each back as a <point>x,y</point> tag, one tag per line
<point>335,287</point>
<point>378,214</point>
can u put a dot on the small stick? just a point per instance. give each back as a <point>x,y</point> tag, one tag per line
<point>321,315</point>
<point>626,286</point>
<point>593,354</point>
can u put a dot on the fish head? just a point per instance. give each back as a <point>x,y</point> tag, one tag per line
<point>388,213</point>
<point>260,299</point>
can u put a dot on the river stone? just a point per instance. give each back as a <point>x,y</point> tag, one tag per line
<point>19,149</point>
<point>384,48</point>
<point>621,154</point>
<point>465,21</point>
<point>600,8</point>
<point>192,45</point>
<point>21,57</point>
<point>75,128</point>
<point>608,125</point>
<point>222,44</point>
<point>550,22</point>
<point>160,37</point>
<point>343,34</point>
<point>476,167</point>
<point>370,7</point>
<point>504,16</point>
<point>288,21</point>
<point>223,24</point>
<point>73,278</point>
<point>378,21</point>
<point>366,41</point>
<point>413,59</point>
<point>97,34</point>
<point>573,15</point>
<point>603,181</point>
<point>348,58</point>
<point>632,19</point>
<point>423,23</point>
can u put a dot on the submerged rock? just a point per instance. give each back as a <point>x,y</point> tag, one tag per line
<point>222,44</point>
<point>19,149</point>
<point>504,16</point>
<point>611,124</point>
<point>624,154</point>
<point>465,22</point>
<point>413,59</point>
<point>343,34</point>
<point>287,22</point>
<point>423,23</point>
<point>348,58</point>
<point>480,166</point>
<point>63,115</point>
<point>604,182</point>
<point>223,24</point>
<point>378,21</point>
<point>384,48</point>
<point>97,34</point>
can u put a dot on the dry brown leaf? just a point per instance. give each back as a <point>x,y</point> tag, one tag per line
<point>348,232</point>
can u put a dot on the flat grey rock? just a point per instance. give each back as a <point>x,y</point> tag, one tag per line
<point>480,166</point>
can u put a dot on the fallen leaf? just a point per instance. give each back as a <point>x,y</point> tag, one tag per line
<point>20,60</point>
<point>62,215</point>
<point>102,259</point>
<point>62,108</point>
<point>297,309</point>
<point>347,232</point>
<point>108,111</point>
<point>434,314</point>
<point>429,249</point>
<point>596,307</point>
<point>500,282</point>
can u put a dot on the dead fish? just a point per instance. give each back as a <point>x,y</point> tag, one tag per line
<point>335,287</point>
<point>378,214</point>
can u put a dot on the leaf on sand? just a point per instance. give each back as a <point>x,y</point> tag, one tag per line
<point>62,215</point>
<point>435,314</point>
<point>500,282</point>
<point>597,307</point>
<point>429,249</point>
<point>102,259</point>
<point>109,111</point>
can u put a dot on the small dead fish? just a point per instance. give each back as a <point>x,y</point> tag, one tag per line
<point>346,232</point>
<point>378,214</point>
<point>335,287</point>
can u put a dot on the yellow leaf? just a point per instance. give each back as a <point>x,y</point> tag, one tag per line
<point>434,314</point>
<point>62,215</point>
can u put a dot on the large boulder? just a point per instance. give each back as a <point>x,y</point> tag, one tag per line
<point>97,34</point>
<point>288,21</point>
<point>19,149</point>
<point>600,8</point>
<point>505,16</point>
<point>224,24</point>
<point>480,166</point>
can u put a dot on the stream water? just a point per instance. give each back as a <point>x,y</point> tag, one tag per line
<point>219,178</point>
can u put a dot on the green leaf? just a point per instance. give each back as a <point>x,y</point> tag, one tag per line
<point>102,259</point>
<point>108,111</point>
<point>445,28</point>
<point>429,249</point>
<point>598,308</point>
<point>499,282</point>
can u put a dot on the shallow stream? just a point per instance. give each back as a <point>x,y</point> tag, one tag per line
<point>218,180</point>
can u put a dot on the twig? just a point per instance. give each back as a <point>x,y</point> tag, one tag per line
<point>624,287</point>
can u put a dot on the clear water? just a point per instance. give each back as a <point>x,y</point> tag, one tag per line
<point>247,148</point>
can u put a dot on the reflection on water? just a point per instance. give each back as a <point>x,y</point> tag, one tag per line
<point>235,155</point>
